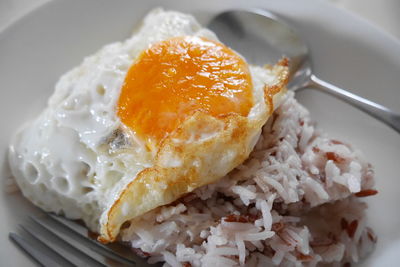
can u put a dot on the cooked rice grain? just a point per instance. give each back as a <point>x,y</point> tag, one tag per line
<point>285,206</point>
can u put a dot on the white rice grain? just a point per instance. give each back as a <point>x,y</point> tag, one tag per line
<point>283,206</point>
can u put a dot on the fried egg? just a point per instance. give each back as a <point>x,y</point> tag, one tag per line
<point>143,122</point>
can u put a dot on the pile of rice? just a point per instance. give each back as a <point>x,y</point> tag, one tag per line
<point>294,202</point>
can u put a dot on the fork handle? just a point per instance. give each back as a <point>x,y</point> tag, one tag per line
<point>382,113</point>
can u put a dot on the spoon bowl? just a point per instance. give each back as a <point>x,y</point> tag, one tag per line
<point>261,36</point>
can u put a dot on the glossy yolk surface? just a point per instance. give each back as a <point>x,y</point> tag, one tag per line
<point>174,78</point>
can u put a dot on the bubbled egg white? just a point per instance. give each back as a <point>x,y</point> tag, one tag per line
<point>76,157</point>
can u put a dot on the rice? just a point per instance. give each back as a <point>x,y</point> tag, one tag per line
<point>292,203</point>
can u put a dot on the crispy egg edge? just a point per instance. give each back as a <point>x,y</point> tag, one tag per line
<point>160,185</point>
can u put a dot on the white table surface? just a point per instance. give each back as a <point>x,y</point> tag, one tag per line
<point>383,13</point>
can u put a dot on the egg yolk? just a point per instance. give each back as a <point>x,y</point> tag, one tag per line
<point>174,78</point>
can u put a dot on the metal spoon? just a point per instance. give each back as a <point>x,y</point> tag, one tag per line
<point>261,37</point>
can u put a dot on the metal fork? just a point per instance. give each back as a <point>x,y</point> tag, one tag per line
<point>55,241</point>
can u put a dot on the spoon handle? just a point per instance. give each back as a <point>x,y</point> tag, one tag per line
<point>387,116</point>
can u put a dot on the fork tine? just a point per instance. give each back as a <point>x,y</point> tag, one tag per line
<point>115,249</point>
<point>82,238</point>
<point>35,253</point>
<point>63,248</point>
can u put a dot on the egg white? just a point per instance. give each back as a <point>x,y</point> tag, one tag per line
<point>77,156</point>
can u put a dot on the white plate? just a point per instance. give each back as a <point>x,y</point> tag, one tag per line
<point>347,51</point>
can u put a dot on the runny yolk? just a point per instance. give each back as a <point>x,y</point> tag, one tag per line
<point>174,78</point>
